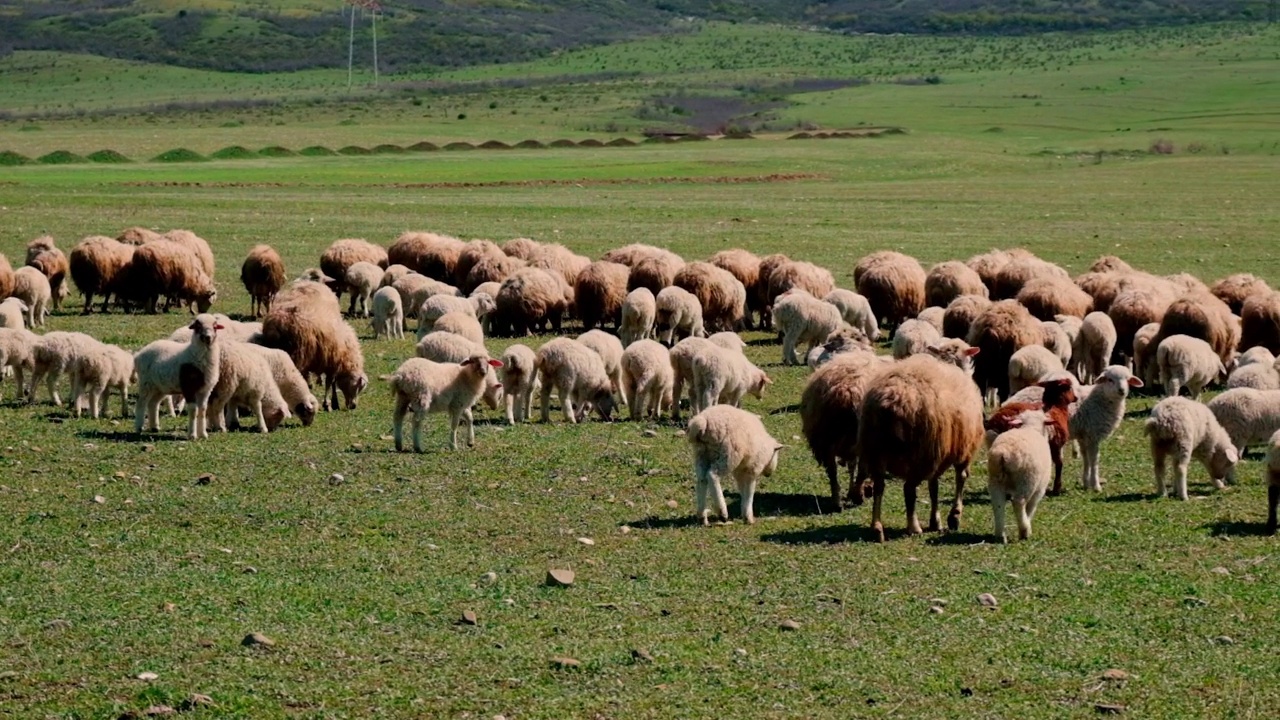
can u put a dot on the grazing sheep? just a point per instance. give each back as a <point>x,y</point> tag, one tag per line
<point>445,346</point>
<point>44,256</point>
<point>647,379</point>
<point>13,313</point>
<point>361,280</point>
<point>768,264</point>
<point>1070,325</point>
<point>1022,270</point>
<point>196,245</point>
<point>894,286</point>
<point>1249,416</point>
<point>320,343</point>
<point>1094,346</point>
<point>433,308</point>
<point>338,258</point>
<point>519,375</point>
<point>723,377</point>
<point>461,323</point>
<point>1056,398</point>
<point>491,271</point>
<point>245,380</point>
<point>138,236</point>
<point>1185,429</point>
<point>293,387</point>
<point>932,316</point>
<point>1201,315</point>
<point>654,273</point>
<point>522,248</point>
<point>1273,481</point>
<point>1103,287</point>
<point>32,288</point>
<point>97,371</point>
<point>429,254</point>
<point>96,265</point>
<point>678,314</point>
<point>912,338</point>
<point>846,340</point>
<point>744,266</point>
<point>919,418</point>
<point>488,288</point>
<point>639,310</point>
<point>529,300</point>
<point>6,277</point>
<point>473,253</point>
<point>797,274</point>
<point>1110,263</point>
<point>988,265</point>
<point>1097,417</point>
<point>829,407</point>
<point>169,368</point>
<point>803,318</point>
<point>958,318</point>
<point>392,274</point>
<point>1031,364</point>
<point>855,310</point>
<point>1057,340</point>
<point>17,352</point>
<point>578,376</point>
<point>262,274</point>
<point>1260,322</point>
<point>1018,470</point>
<point>427,387</point>
<point>415,289</point>
<point>949,280</point>
<point>1131,310</point>
<point>1048,297</point>
<point>560,262</point>
<point>1234,290</point>
<point>388,314</point>
<point>956,353</point>
<point>599,291</point>
<point>728,442</point>
<point>1188,362</point>
<point>53,354</point>
<point>609,348</point>
<point>998,332</point>
<point>1144,353</point>
<point>682,364</point>
<point>170,269</point>
<point>1254,372</point>
<point>719,293</point>
<point>635,253</point>
<point>309,293</point>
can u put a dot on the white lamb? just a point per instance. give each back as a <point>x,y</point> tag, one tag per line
<point>13,312</point>
<point>723,376</point>
<point>844,341</point>
<point>433,308</point>
<point>1249,416</point>
<point>388,314</point>
<point>647,378</point>
<point>728,442</point>
<point>677,314</point>
<point>609,348</point>
<point>932,315</point>
<point>578,376</point>
<point>1057,341</point>
<point>682,364</point>
<point>1019,470</point>
<point>446,347</point>
<point>912,338</point>
<point>519,381</point>
<point>1094,345</point>
<point>639,309</point>
<point>1031,364</point>
<point>1255,368</point>
<point>856,311</point>
<point>32,288</point>
<point>427,387</point>
<point>17,352</point>
<point>803,319</point>
<point>98,371</point>
<point>245,380</point>
<point>1097,416</point>
<point>191,369</point>
<point>362,279</point>
<point>1189,362</point>
<point>293,387</point>
<point>54,353</point>
<point>461,323</point>
<point>1185,429</point>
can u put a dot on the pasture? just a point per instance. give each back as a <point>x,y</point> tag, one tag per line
<point>361,582</point>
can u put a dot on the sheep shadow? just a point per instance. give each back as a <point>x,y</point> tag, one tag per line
<point>1136,414</point>
<point>1236,528</point>
<point>763,342</point>
<point>833,535</point>
<point>653,522</point>
<point>1127,497</point>
<point>786,409</point>
<point>766,505</point>
<point>958,537</point>
<point>129,436</point>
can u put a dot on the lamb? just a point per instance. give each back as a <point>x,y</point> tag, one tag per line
<point>919,418</point>
<point>1048,297</point>
<point>491,271</point>
<point>720,294</point>
<point>999,332</point>
<point>932,316</point>
<point>682,364</point>
<point>1018,468</point>
<point>1094,346</point>
<point>1188,362</point>
<point>13,313</point>
<point>647,378</point>
<point>53,354</point>
<point>1144,353</point>
<point>522,248</point>
<point>433,308</point>
<point>529,300</point>
<point>1057,340</point>
<point>392,274</point>
<point>678,314</point>
<point>1031,364</point>
<point>1253,371</point>
<point>949,280</point>
<point>169,269</point>
<point>599,291</point>
<point>1203,316</point>
<point>728,442</point>
<point>639,309</point>
<point>462,324</point>
<point>426,387</point>
<point>32,288</point>
<point>474,253</point>
<point>829,407</point>
<point>803,318</point>
<point>320,343</point>
<point>416,289</point>
<point>1249,416</point>
<point>1183,428</point>
<point>262,274</point>
<point>488,288</point>
<point>361,280</point>
<point>245,379</point>
<point>97,371</point>
<point>1055,398</point>
<point>958,318</point>
<point>1260,321</point>
<point>17,352</point>
<point>432,255</point>
<point>894,286</point>
<point>912,337</point>
<point>1273,481</point>
<point>96,265</point>
<point>1234,290</point>
<point>338,258</point>
<point>610,350</point>
<point>388,314</point>
<point>1097,417</point>
<point>293,387</point>
<point>191,369</point>
<point>578,376</point>
<point>445,346</point>
<point>855,310</point>
<point>724,376</point>
<point>52,263</point>
<point>841,342</point>
<point>956,353</point>
<point>744,266</point>
<point>519,380</point>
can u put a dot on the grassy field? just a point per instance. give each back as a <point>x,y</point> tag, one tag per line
<point>361,582</point>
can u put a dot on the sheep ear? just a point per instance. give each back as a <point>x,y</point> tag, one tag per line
<point>194,324</point>
<point>1135,382</point>
<point>495,363</point>
<point>1017,422</point>
<point>1233,457</point>
<point>970,352</point>
<point>219,326</point>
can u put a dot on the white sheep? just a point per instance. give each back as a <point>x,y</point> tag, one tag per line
<point>461,323</point>
<point>32,288</point>
<point>388,314</point>
<point>578,376</point>
<point>803,318</point>
<point>54,353</point>
<point>191,369</point>
<point>426,387</point>
<point>519,381</point>
<point>1255,368</point>
<point>1189,362</point>
<point>293,387</point>
<point>682,364</point>
<point>677,314</point>
<point>1185,429</point>
<point>13,312</point>
<point>639,309</point>
<point>445,347</point>
<point>844,341</point>
<point>932,315</point>
<point>478,306</point>
<point>245,380</point>
<point>723,377</point>
<point>17,352</point>
<point>856,311</point>
<point>1030,365</point>
<point>362,279</point>
<point>1019,471</point>
<point>912,338</point>
<point>1092,349</point>
<point>728,442</point>
<point>1097,416</point>
<point>1057,340</point>
<point>95,372</point>
<point>609,348</point>
<point>647,378</point>
<point>1273,481</point>
<point>1249,416</point>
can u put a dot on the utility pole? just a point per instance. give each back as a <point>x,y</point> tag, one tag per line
<point>351,46</point>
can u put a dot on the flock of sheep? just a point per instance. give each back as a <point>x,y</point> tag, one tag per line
<point>1052,358</point>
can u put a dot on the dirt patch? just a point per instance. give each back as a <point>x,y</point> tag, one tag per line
<point>708,180</point>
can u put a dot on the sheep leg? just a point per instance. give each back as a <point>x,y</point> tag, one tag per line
<point>998,500</point>
<point>420,414</point>
<point>471,427</point>
<point>1273,499</point>
<point>510,402</point>
<point>833,478</point>
<point>877,492</point>
<point>257,411</point>
<point>546,402</point>
<point>747,495</point>
<point>789,349</point>
<point>1024,520</point>
<point>526,403</point>
<point>124,400</point>
<point>566,402</point>
<point>1055,452</point>
<point>397,417</point>
<point>935,523</point>
<point>957,505</point>
<point>1086,457</point>
<point>77,389</point>
<point>1157,461</point>
<point>857,487</point>
<point>88,304</point>
<point>722,507</point>
<point>701,483</point>
<point>910,490</point>
<point>1180,478</point>
<point>95,401</point>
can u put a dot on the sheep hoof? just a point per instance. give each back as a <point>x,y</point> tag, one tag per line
<point>878,529</point>
<point>953,521</point>
<point>1271,528</point>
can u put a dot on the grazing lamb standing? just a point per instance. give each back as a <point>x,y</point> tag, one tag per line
<point>1273,481</point>
<point>1018,470</point>
<point>1185,429</point>
<point>426,387</point>
<point>647,378</point>
<point>388,314</point>
<point>728,442</point>
<point>519,374</point>
<point>1056,398</point>
<point>1098,416</point>
<point>577,374</point>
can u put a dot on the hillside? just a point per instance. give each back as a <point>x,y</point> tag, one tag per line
<point>276,35</point>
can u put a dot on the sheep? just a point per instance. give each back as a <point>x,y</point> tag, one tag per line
<point>855,310</point>
<point>728,442</point>
<point>49,260</point>
<point>1056,398</point>
<point>647,378</point>
<point>1031,364</point>
<point>1103,287</point>
<point>1022,270</point>
<point>803,318</point>
<point>599,291</point>
<point>245,379</point>
<point>724,376</point>
<point>1144,353</point>
<point>262,275</point>
<point>529,300</point>
<point>829,406</point>
<point>768,264</point>
<point>561,262</point>
<point>1048,297</point>
<point>1185,429</point>
<point>677,314</point>
<point>361,280</point>
<point>1057,340</point>
<point>491,271</point>
<point>388,314</point>
<point>293,386</point>
<point>460,323</point>
<point>1131,310</point>
<point>610,350</point>
<point>999,332</point>
<point>635,253</point>
<point>718,292</point>
<point>519,375</point>
<point>320,343</point>
<point>53,354</point>
<point>191,369</point>
<point>429,254</point>
<point>17,352</point>
<point>96,265</point>
<point>522,248</point>
<point>1260,321</point>
<point>32,288</point>
<point>682,355</point>
<point>1097,417</point>
<point>338,258</point>
<point>578,375</point>
<point>436,306</point>
<point>474,253</point>
<point>198,247</point>
<point>988,265</point>
<point>316,275</point>
<point>138,236</point>
<point>912,337</point>
<point>170,269</point>
<point>445,346</point>
<point>1203,316</point>
<point>1234,290</point>
<point>957,353</point>
<point>918,418</point>
<point>1018,469</point>
<point>1256,373</point>
<point>1094,346</point>
<point>1188,362</point>
<point>744,266</point>
<point>487,288</point>
<point>1110,263</point>
<point>415,289</point>
<point>654,273</point>
<point>13,313</point>
<point>958,318</point>
<point>6,277</point>
<point>1273,481</point>
<point>426,387</point>
<point>392,274</point>
<point>894,287</point>
<point>1249,416</point>
<point>841,342</point>
<point>639,309</point>
<point>97,371</point>
<point>949,280</point>
<point>797,274</point>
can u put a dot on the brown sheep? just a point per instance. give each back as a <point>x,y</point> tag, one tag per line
<point>561,261</point>
<point>6,277</point>
<point>599,293</point>
<point>138,236</point>
<point>745,266</point>
<point>196,245</point>
<point>654,273</point>
<point>1048,297</point>
<point>309,293</point>
<point>919,418</point>
<point>528,300</point>
<point>169,269</point>
<point>521,248</point>
<point>988,265</point>
<point>948,281</point>
<point>429,254</point>
<point>1110,263</point>
<point>815,280</point>
<point>342,254</point>
<point>1186,283</point>
<point>1130,311</point>
<point>1103,287</point>
<point>895,288</point>
<point>829,407</point>
<point>320,343</point>
<point>960,314</point>
<point>1021,271</point>
<point>768,264</point>
<point>1260,322</point>
<point>472,253</point>
<point>998,332</point>
<point>1235,289</point>
<point>631,255</point>
<point>263,275</point>
<point>491,269</point>
<point>97,265</point>
<point>866,262</point>
<point>723,304</point>
<point>53,263</point>
<point>1201,315</point>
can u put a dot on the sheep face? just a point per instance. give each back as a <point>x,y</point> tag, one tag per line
<point>602,402</point>
<point>955,353</point>
<point>761,382</point>
<point>204,329</point>
<point>351,385</point>
<point>274,416</point>
<point>306,411</point>
<point>1120,379</point>
<point>1058,392</point>
<point>1221,464</point>
<point>205,300</point>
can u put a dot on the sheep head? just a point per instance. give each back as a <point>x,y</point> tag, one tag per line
<point>351,384</point>
<point>204,328</point>
<point>1059,392</point>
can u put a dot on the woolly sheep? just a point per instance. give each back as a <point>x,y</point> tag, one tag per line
<point>17,348</point>
<point>338,258</point>
<point>262,274</point>
<point>578,376</point>
<point>635,253</point>
<point>1273,481</point>
<point>138,236</point>
<point>32,288</point>
<point>958,318</point>
<point>522,248</point>
<point>1144,353</point>
<point>1234,290</point>
<point>744,266</point>
<point>682,355</point>
<point>988,265</point>
<point>1048,297</point>
<point>1133,309</point>
<point>560,262</point>
<point>529,300</point>
<point>245,380</point>
<point>1104,286</point>
<point>919,418</point>
<point>461,323</point>
<point>1070,325</point>
<point>855,310</point>
<point>894,286</point>
<point>1031,364</point>
<point>392,274</point>
<point>803,319</point>
<point>96,265</point>
<point>639,309</point>
<point>13,313</point>
<point>1185,429</point>
<point>98,371</point>
<point>728,442</point>
<point>1203,316</point>
<point>768,264</point>
<point>428,387</point>
<point>52,263</point>
<point>798,274</point>
<point>647,378</point>
<point>320,343</point>
<point>415,289</point>
<point>949,280</point>
<point>724,376</point>
<point>445,346</point>
<point>678,314</point>
<point>846,340</point>
<point>1256,375</point>
<point>609,348</point>
<point>519,375</point>
<point>956,353</point>
<point>829,406</point>
<point>998,332</point>
<point>53,354</point>
<point>474,253</point>
<point>361,280</point>
<point>1097,417</point>
<point>388,314</point>
<point>429,254</point>
<point>1057,340</point>
<point>599,292</point>
<point>1019,468</point>
<point>719,293</point>
<point>1022,270</point>
<point>1249,416</point>
<point>1260,321</point>
<point>293,387</point>
<point>436,306</point>
<point>491,271</point>
<point>168,368</point>
<point>1094,346</point>
<point>932,316</point>
<point>654,273</point>
<point>196,245</point>
<point>169,269</point>
<point>1188,362</point>
<point>912,337</point>
<point>6,277</point>
<point>489,288</point>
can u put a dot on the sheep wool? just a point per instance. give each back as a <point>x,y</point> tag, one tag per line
<point>829,407</point>
<point>388,314</point>
<point>647,379</point>
<point>803,319</point>
<point>168,368</point>
<point>426,387</point>
<point>639,310</point>
<point>1182,429</point>
<point>519,375</point>
<point>1187,362</point>
<point>1098,416</point>
<point>578,375</point>
<point>262,275</point>
<point>728,442</point>
<point>1019,468</point>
